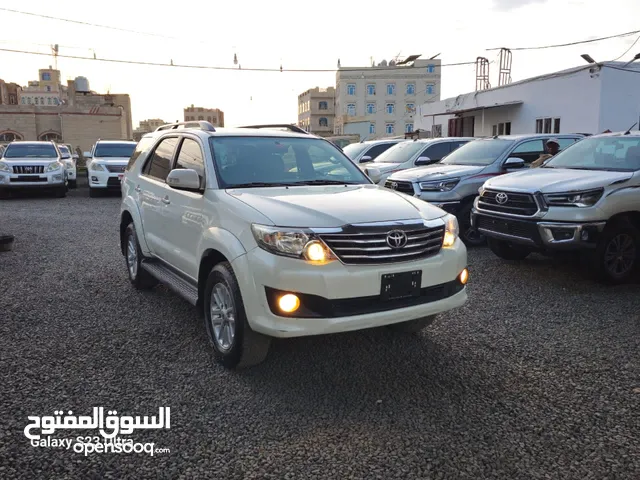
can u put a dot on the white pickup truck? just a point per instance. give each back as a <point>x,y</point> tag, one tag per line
<point>586,198</point>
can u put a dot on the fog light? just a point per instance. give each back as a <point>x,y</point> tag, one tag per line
<point>94,179</point>
<point>289,303</point>
<point>584,235</point>
<point>464,276</point>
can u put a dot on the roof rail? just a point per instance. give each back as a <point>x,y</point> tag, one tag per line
<point>288,126</point>
<point>200,124</point>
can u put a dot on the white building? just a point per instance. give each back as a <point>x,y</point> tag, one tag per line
<point>587,99</point>
<point>386,95</point>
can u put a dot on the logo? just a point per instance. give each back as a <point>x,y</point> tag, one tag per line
<point>502,198</point>
<point>28,169</point>
<point>394,185</point>
<point>397,239</point>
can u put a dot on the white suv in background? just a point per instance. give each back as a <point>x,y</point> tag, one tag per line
<point>368,150</point>
<point>106,163</point>
<point>70,165</point>
<point>279,234</point>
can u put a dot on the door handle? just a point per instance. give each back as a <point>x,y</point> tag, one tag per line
<point>166,200</point>
<point>138,189</point>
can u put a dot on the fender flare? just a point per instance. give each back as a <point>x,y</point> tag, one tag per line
<point>222,241</point>
<point>131,207</point>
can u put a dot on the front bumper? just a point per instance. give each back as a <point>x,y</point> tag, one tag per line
<point>538,234</point>
<point>106,180</point>
<point>34,181</point>
<point>348,295</point>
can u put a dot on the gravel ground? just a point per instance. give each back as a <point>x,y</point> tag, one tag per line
<point>537,377</point>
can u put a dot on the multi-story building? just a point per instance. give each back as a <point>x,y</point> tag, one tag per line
<point>388,95</point>
<point>147,126</point>
<point>9,93</point>
<point>46,91</point>
<point>215,116</point>
<point>316,110</point>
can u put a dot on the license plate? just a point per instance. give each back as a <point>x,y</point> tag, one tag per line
<point>400,285</point>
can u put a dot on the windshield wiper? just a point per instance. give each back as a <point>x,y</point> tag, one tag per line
<point>327,182</point>
<point>261,184</point>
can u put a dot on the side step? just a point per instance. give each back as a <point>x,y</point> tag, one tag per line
<point>175,282</point>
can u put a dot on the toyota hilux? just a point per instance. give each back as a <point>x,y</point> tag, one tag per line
<point>585,199</point>
<point>279,234</point>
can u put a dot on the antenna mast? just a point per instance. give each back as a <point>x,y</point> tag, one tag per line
<point>55,49</point>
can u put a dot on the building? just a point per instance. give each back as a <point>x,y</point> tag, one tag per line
<point>586,99</point>
<point>215,116</point>
<point>316,110</point>
<point>75,114</point>
<point>386,94</point>
<point>147,126</point>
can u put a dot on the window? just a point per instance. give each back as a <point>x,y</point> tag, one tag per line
<point>371,108</point>
<point>507,128</point>
<point>478,152</point>
<point>200,117</point>
<point>431,68</point>
<point>323,106</point>
<point>29,100</point>
<point>56,101</point>
<point>437,151</point>
<point>430,88</point>
<point>391,88</point>
<point>548,125</point>
<point>9,136</point>
<point>41,100</point>
<point>23,100</point>
<point>371,89</point>
<point>190,156</point>
<point>351,89</point>
<point>411,88</point>
<point>494,130</point>
<point>143,145</point>
<point>408,128</point>
<point>376,150</point>
<point>501,129</point>
<point>351,109</point>
<point>50,136</point>
<point>18,150</point>
<point>36,101</point>
<point>372,128</point>
<point>48,88</point>
<point>565,142</point>
<point>389,128</point>
<point>159,164</point>
<point>621,154</point>
<point>324,122</point>
<point>46,77</point>
<point>114,150</point>
<point>13,99</point>
<point>49,101</point>
<point>390,108</point>
<point>209,119</point>
<point>410,108</point>
<point>556,125</point>
<point>532,146</point>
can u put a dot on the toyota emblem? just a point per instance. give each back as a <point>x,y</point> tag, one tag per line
<point>28,169</point>
<point>397,239</point>
<point>394,185</point>
<point>502,198</point>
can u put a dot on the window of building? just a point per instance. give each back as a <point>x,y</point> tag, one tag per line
<point>323,105</point>
<point>159,164</point>
<point>190,156</point>
<point>408,128</point>
<point>410,108</point>
<point>214,119</point>
<point>431,88</point>
<point>209,119</point>
<point>8,136</point>
<point>556,125</point>
<point>324,122</point>
<point>13,99</point>
<point>371,89</point>
<point>46,76</point>
<point>548,125</point>
<point>507,128</point>
<point>351,89</point>
<point>56,101</point>
<point>351,109</point>
<point>494,130</point>
<point>29,100</point>
<point>41,100</point>
<point>391,88</point>
<point>49,101</point>
<point>371,108</point>
<point>200,117</point>
<point>411,88</point>
<point>501,129</point>
<point>431,68</point>
<point>23,100</point>
<point>36,100</point>
<point>50,137</point>
<point>390,128</point>
<point>372,128</point>
<point>390,108</point>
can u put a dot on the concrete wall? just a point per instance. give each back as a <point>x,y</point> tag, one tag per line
<point>620,99</point>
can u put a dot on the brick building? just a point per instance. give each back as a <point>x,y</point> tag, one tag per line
<point>214,116</point>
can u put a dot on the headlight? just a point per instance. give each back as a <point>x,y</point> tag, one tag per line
<point>4,167</point>
<point>439,186</point>
<point>96,167</point>
<point>451,230</point>
<point>292,242</point>
<point>583,199</point>
<point>53,166</point>
<point>69,164</point>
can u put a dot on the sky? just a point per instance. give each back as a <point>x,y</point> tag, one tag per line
<point>295,35</point>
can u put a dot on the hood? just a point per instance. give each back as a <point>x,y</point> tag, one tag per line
<point>111,160</point>
<point>384,167</point>
<point>556,180</point>
<point>28,161</point>
<point>437,171</point>
<point>332,206</point>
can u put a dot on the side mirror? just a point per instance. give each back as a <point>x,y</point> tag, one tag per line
<point>87,154</point>
<point>513,162</point>
<point>423,160</point>
<point>183,179</point>
<point>365,159</point>
<point>373,174</point>
<point>65,156</point>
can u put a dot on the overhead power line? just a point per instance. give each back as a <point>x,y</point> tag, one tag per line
<point>209,67</point>
<point>627,50</point>
<point>570,43</point>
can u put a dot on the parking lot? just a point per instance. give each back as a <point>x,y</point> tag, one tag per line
<point>537,376</point>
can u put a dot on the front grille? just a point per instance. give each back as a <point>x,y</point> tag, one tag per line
<point>364,245</point>
<point>27,169</point>
<point>515,228</point>
<point>403,187</point>
<point>522,204</point>
<point>116,168</point>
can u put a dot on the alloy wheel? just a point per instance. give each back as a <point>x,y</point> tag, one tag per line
<point>620,255</point>
<point>223,317</point>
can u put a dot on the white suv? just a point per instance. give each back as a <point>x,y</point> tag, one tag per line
<point>278,234</point>
<point>106,163</point>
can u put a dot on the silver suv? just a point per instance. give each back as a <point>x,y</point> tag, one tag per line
<point>367,151</point>
<point>453,183</point>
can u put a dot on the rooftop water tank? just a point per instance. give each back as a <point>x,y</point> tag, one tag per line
<point>81,84</point>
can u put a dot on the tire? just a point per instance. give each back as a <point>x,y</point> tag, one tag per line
<point>138,276</point>
<point>507,251</point>
<point>413,326</point>
<point>244,348</point>
<point>73,184</point>
<point>469,235</point>
<point>618,246</point>
<point>61,192</point>
<point>94,192</point>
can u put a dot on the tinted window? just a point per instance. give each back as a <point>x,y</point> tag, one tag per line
<point>143,145</point>
<point>600,153</point>
<point>159,165</point>
<point>354,149</point>
<point>437,151</point>
<point>112,150</point>
<point>565,142</point>
<point>532,146</point>
<point>376,150</point>
<point>478,152</point>
<point>19,150</point>
<point>190,156</point>
<point>400,152</point>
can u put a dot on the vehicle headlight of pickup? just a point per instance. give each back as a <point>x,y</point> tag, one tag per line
<point>451,230</point>
<point>440,186</point>
<point>53,166</point>
<point>96,167</point>
<point>292,242</point>
<point>587,198</point>
<point>4,167</point>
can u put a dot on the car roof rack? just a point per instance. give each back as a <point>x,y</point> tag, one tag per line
<point>288,126</point>
<point>200,124</point>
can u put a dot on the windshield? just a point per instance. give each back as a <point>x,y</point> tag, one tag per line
<point>354,149</point>
<point>478,152</point>
<point>400,152</point>
<point>274,161</point>
<point>63,149</point>
<point>122,150</point>
<point>617,154</point>
<point>22,150</point>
